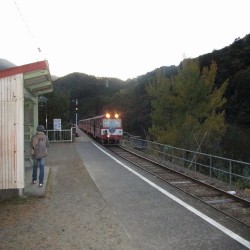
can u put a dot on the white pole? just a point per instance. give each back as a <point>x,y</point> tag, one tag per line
<point>76,116</point>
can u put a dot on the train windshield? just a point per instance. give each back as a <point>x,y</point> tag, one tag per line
<point>112,123</point>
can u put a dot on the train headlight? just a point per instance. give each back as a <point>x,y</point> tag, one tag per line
<point>116,116</point>
<point>107,115</point>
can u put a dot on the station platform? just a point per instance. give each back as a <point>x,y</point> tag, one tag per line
<point>154,214</point>
<point>94,200</point>
<point>32,189</point>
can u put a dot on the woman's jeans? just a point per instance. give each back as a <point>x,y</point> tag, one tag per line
<point>41,163</point>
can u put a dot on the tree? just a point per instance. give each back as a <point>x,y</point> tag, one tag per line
<point>187,109</point>
<point>58,107</point>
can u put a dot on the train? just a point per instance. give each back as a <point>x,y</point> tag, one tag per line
<point>106,128</point>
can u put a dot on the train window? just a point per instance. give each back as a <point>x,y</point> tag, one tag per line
<point>112,123</point>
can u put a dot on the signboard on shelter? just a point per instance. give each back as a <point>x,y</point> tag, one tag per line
<point>57,124</point>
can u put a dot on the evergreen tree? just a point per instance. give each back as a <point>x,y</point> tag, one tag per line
<point>187,110</point>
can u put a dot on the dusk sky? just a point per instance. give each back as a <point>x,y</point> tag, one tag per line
<point>117,38</point>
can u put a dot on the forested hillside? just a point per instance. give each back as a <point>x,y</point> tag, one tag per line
<point>94,97</point>
<point>234,64</point>
<point>132,100</point>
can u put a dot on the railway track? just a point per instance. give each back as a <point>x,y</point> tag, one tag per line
<point>231,205</point>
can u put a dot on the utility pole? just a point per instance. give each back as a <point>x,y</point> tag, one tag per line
<point>76,116</point>
<point>43,103</point>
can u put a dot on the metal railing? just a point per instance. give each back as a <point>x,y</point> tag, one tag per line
<point>224,169</point>
<point>64,135</point>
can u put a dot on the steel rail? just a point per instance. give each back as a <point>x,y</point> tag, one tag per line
<point>232,197</point>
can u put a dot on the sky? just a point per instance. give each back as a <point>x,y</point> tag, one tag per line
<point>117,38</point>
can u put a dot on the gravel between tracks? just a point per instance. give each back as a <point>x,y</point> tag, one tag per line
<point>72,215</point>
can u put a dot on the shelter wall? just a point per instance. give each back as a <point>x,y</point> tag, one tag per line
<point>11,132</point>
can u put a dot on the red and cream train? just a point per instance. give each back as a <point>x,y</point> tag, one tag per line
<point>106,129</point>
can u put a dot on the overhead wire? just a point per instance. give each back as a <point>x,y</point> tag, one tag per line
<point>29,30</point>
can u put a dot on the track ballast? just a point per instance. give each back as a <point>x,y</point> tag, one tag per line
<point>231,205</point>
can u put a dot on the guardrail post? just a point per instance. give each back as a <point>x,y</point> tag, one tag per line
<point>71,134</point>
<point>172,160</point>
<point>164,152</point>
<point>230,172</point>
<point>210,166</point>
<point>195,162</point>
<point>183,158</point>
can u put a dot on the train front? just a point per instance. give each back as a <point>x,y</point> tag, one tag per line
<point>111,129</point>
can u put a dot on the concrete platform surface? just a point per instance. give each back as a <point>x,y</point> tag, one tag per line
<point>34,189</point>
<point>153,213</point>
<point>70,213</point>
<point>94,200</point>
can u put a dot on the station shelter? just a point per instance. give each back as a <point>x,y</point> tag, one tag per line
<point>20,88</point>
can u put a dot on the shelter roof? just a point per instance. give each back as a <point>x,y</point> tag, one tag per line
<point>36,76</point>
